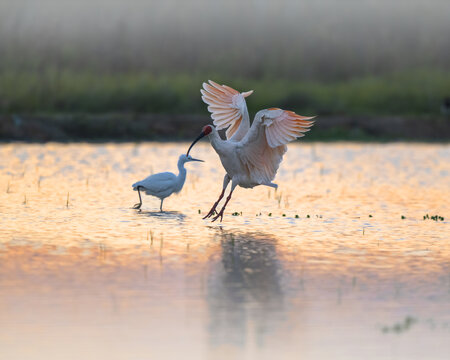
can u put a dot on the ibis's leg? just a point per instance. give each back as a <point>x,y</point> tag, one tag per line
<point>138,205</point>
<point>213,209</point>
<point>220,214</point>
<point>160,207</point>
<point>226,181</point>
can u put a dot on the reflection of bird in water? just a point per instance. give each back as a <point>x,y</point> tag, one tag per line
<point>244,289</point>
<point>250,155</point>
<point>166,216</point>
<point>164,184</point>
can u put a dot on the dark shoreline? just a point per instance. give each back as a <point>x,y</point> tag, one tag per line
<point>169,127</point>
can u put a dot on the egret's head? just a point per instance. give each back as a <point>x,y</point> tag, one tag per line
<point>186,158</point>
<point>205,131</point>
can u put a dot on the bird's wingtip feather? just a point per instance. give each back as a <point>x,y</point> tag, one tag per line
<point>213,83</point>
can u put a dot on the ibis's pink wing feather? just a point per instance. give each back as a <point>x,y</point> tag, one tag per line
<point>262,149</point>
<point>227,107</point>
<point>261,161</point>
<point>284,126</point>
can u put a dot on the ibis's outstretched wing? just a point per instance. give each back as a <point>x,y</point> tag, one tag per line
<point>262,149</point>
<point>228,109</point>
<point>283,126</point>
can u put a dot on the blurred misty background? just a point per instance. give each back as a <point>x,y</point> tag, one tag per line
<point>128,70</point>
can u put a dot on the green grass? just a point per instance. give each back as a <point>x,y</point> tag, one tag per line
<point>418,92</point>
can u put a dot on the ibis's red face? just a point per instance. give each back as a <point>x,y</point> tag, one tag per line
<point>205,131</point>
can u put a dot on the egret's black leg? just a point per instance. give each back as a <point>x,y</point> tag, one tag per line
<point>160,207</point>
<point>138,206</point>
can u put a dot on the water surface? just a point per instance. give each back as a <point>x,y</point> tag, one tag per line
<point>324,268</point>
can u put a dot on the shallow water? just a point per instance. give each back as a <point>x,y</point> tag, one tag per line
<point>83,276</point>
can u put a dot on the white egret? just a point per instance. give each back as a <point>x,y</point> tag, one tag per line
<point>250,155</point>
<point>164,184</point>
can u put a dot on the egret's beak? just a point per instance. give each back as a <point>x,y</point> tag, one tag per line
<point>193,143</point>
<point>192,159</point>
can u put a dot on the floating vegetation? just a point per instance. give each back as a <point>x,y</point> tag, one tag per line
<point>284,215</point>
<point>25,200</point>
<point>199,211</point>
<point>370,215</point>
<point>307,216</point>
<point>403,217</point>
<point>270,214</point>
<point>236,213</point>
<point>434,217</point>
<point>67,201</point>
<point>401,326</point>
<point>296,216</point>
<point>8,187</point>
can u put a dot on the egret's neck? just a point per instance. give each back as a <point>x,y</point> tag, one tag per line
<point>181,178</point>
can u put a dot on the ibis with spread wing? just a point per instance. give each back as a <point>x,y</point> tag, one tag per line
<point>252,154</point>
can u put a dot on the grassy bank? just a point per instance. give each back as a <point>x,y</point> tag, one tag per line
<point>419,92</point>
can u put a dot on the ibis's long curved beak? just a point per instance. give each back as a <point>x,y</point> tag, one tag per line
<point>194,142</point>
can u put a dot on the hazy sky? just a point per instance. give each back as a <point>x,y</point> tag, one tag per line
<point>366,34</point>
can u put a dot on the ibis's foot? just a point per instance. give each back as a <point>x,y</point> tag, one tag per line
<point>212,211</point>
<point>137,206</point>
<point>219,215</point>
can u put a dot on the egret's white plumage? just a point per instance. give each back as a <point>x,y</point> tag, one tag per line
<point>164,184</point>
<point>250,155</point>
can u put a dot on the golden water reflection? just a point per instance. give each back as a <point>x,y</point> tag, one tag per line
<point>84,276</point>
